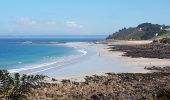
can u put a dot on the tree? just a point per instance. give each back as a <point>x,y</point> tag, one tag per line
<point>143,31</point>
<point>16,87</point>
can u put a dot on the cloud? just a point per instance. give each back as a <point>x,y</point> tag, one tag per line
<point>73,25</point>
<point>26,21</point>
<point>51,23</point>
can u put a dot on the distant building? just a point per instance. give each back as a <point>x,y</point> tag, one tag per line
<point>156,34</point>
<point>140,29</point>
<point>161,28</point>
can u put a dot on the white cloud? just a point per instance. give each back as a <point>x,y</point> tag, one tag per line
<point>73,25</point>
<point>51,23</point>
<point>26,21</point>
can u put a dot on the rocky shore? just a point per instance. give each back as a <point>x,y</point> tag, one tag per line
<point>112,86</point>
<point>116,86</point>
<point>160,51</point>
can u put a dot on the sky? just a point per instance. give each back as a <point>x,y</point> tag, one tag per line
<point>78,17</point>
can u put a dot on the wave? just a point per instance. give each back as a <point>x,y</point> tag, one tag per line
<point>83,51</point>
<point>58,63</point>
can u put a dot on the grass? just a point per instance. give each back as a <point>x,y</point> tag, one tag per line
<point>166,35</point>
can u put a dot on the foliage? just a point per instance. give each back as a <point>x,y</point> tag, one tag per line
<point>143,31</point>
<point>167,35</point>
<point>164,94</point>
<point>16,87</point>
<point>165,40</point>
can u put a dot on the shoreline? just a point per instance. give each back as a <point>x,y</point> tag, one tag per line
<point>149,84</point>
<point>105,74</point>
<point>131,65</point>
<point>58,63</point>
<point>100,60</point>
<point>138,86</point>
<point>143,60</point>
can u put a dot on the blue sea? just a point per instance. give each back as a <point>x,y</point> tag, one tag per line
<point>37,57</point>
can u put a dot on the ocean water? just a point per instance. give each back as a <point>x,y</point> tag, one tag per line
<point>38,57</point>
<point>60,38</point>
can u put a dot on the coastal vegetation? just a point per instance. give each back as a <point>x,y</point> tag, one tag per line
<point>143,31</point>
<point>167,35</point>
<point>165,40</point>
<point>154,85</point>
<point>17,87</point>
<point>112,86</point>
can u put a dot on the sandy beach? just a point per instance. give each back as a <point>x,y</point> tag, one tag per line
<point>134,62</point>
<point>99,60</point>
<point>102,73</point>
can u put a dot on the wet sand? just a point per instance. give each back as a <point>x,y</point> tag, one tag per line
<point>126,78</point>
<point>100,60</point>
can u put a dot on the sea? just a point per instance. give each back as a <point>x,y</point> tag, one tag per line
<point>38,57</point>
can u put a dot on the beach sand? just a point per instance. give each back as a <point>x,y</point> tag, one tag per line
<point>134,62</point>
<point>125,42</point>
<point>100,60</point>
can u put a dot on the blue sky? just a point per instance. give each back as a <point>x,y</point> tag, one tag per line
<point>78,17</point>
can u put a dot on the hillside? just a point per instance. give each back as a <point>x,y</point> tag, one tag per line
<point>143,31</point>
<point>167,35</point>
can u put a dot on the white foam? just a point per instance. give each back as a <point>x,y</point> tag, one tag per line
<point>29,67</point>
<point>83,51</point>
<point>61,61</point>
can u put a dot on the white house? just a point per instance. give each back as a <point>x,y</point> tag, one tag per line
<point>156,34</point>
<point>161,28</point>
